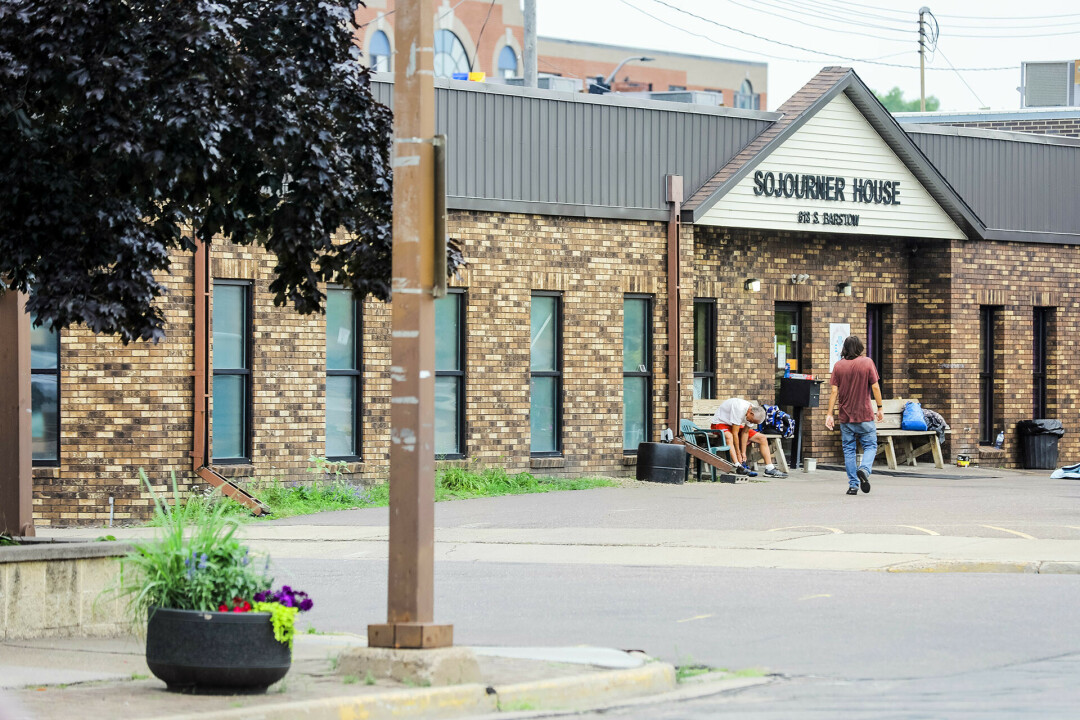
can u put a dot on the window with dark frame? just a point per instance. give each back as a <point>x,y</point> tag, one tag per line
<point>987,421</point>
<point>704,348</point>
<point>1041,344</point>
<point>545,368</point>
<point>450,375</point>
<point>44,396</point>
<point>637,371</point>
<point>344,372</point>
<point>232,371</point>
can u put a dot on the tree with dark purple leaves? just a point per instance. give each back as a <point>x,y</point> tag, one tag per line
<point>128,126</point>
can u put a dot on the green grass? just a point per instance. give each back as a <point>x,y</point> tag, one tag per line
<point>287,500</point>
<point>685,672</point>
<point>7,540</point>
<point>350,680</point>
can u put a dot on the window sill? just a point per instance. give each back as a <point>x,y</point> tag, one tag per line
<point>452,463</point>
<point>629,460</point>
<point>547,462</point>
<point>237,470</point>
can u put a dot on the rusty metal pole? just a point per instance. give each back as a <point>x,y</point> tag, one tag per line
<point>16,481</point>
<point>675,198</point>
<point>411,592</point>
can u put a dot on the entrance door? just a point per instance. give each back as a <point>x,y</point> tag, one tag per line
<point>788,348</point>
<point>788,352</point>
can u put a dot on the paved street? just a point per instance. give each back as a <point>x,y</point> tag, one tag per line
<point>865,644</point>
<point>848,602</point>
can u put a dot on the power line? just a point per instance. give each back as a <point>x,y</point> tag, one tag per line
<point>799,47</point>
<point>805,23</point>
<point>979,99</point>
<point>481,34</point>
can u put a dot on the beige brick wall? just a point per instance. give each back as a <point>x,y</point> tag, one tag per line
<point>128,407</point>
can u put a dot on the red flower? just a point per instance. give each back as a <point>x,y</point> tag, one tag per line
<point>223,608</point>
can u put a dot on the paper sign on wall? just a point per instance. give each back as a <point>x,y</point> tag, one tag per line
<point>838,333</point>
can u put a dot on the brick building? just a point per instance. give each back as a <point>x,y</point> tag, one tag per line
<point>1040,121</point>
<point>488,37</point>
<point>562,346</point>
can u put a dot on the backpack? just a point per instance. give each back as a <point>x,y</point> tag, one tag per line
<point>913,418</point>
<point>777,422</point>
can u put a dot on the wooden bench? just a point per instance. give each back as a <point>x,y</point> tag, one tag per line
<point>912,444</point>
<point>705,409</point>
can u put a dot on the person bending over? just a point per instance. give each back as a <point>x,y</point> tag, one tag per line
<point>735,418</point>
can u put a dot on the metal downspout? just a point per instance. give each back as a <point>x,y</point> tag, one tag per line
<point>200,453</point>
<point>675,198</point>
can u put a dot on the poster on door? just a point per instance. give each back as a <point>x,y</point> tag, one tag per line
<point>838,333</point>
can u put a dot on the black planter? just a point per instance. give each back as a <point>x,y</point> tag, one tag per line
<point>214,652</point>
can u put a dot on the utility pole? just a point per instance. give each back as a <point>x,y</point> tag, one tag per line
<point>16,483</point>
<point>410,594</point>
<point>530,43</point>
<point>922,58</point>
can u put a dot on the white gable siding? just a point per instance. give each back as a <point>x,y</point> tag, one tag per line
<point>836,141</point>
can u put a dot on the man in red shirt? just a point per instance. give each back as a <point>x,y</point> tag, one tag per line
<point>853,380</point>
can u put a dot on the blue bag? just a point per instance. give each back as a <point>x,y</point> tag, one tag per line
<point>913,418</point>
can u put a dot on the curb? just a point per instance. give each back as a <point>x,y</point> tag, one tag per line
<point>575,692</point>
<point>1044,567</point>
<point>579,692</point>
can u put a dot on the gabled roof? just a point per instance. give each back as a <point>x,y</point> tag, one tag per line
<point>803,105</point>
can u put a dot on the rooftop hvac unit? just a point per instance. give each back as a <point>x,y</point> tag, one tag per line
<point>1048,84</point>
<point>551,82</point>
<point>694,97</point>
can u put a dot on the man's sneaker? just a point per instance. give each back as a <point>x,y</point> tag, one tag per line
<point>745,470</point>
<point>774,473</point>
<point>864,479</point>
<point>853,491</point>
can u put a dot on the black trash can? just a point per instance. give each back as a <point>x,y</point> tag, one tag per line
<point>661,462</point>
<point>1039,443</point>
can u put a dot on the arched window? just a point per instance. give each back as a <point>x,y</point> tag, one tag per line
<point>380,52</point>
<point>745,97</point>
<point>508,64</point>
<point>450,56</point>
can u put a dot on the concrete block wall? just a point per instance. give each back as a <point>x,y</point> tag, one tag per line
<point>65,597</point>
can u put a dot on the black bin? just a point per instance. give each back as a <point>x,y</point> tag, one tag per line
<point>661,462</point>
<point>1039,443</point>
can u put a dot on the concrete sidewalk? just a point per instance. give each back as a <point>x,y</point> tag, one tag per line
<point>104,679</point>
<point>798,548</point>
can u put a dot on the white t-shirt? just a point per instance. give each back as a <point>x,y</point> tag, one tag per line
<point>731,412</point>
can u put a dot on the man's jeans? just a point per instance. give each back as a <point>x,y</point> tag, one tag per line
<point>866,435</point>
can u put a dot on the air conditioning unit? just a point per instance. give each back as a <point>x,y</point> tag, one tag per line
<point>1049,84</point>
<point>694,97</point>
<point>551,82</point>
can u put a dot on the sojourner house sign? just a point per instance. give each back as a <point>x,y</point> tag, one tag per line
<point>832,188</point>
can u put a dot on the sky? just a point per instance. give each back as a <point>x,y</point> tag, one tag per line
<point>972,34</point>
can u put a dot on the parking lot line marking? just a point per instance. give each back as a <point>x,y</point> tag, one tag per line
<point>834,531</point>
<point>1014,532</point>
<point>696,617</point>
<point>811,597</point>
<point>916,527</point>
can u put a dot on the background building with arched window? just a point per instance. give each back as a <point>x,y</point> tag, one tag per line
<point>488,37</point>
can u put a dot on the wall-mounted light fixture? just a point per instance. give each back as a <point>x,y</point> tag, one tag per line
<point>843,288</point>
<point>752,284</point>
<point>799,279</point>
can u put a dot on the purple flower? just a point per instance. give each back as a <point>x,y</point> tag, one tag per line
<point>305,605</point>
<point>202,562</point>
